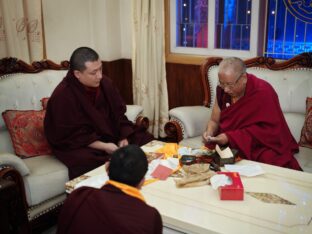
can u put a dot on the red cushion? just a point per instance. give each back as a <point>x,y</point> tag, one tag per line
<point>306,132</point>
<point>26,131</point>
<point>44,102</point>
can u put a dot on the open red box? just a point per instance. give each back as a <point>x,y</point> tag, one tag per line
<point>234,191</point>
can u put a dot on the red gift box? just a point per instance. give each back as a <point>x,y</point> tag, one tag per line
<point>234,191</point>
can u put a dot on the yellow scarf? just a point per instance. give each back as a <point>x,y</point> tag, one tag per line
<point>127,189</point>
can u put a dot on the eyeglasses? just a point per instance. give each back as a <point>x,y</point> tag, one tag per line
<point>230,85</point>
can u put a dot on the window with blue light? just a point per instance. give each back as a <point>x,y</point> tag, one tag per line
<point>289,28</point>
<point>228,28</point>
<point>192,27</point>
<point>233,24</point>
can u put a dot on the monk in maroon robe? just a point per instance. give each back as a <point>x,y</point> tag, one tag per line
<point>85,120</point>
<point>247,116</point>
<point>118,207</point>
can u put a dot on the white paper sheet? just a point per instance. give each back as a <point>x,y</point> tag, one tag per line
<point>245,170</point>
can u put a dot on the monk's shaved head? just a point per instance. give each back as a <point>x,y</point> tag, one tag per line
<point>232,65</point>
<point>128,165</point>
<point>80,56</point>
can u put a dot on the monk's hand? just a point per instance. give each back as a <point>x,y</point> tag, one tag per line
<point>123,143</point>
<point>207,136</point>
<point>110,147</point>
<point>221,139</point>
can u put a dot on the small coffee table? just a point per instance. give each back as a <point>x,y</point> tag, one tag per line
<point>263,210</point>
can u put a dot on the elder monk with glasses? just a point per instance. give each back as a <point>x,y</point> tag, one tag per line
<point>247,116</point>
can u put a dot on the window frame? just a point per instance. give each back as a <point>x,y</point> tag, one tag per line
<point>187,55</point>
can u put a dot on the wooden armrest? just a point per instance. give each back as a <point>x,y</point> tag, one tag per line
<point>13,214</point>
<point>9,173</point>
<point>174,131</point>
<point>142,121</point>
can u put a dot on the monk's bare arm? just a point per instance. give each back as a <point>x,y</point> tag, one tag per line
<point>213,123</point>
<point>107,147</point>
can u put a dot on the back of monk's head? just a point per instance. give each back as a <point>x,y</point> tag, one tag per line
<point>80,56</point>
<point>128,165</point>
<point>232,64</point>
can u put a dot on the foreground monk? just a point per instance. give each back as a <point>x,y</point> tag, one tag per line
<point>118,207</point>
<point>247,116</point>
<point>85,120</point>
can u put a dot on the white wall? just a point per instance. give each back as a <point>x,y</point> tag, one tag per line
<point>100,24</point>
<point>67,26</point>
<point>126,28</point>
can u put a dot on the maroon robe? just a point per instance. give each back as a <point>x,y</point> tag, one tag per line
<point>75,118</point>
<point>107,210</point>
<point>255,125</point>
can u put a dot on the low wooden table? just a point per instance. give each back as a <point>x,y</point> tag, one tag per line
<point>199,210</point>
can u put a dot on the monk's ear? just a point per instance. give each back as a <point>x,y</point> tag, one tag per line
<point>77,74</point>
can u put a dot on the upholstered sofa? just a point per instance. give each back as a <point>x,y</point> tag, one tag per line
<point>292,80</point>
<point>41,179</point>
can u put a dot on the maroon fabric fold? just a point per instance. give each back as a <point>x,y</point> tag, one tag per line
<point>107,210</point>
<point>256,126</point>
<point>76,117</point>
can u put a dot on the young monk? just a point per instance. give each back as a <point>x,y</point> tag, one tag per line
<point>118,207</point>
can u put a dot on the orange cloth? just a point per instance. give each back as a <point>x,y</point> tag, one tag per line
<point>127,189</point>
<point>169,149</point>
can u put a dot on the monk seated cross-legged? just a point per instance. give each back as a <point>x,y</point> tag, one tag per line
<point>85,119</point>
<point>247,116</point>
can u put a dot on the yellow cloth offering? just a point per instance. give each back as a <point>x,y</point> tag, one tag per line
<point>169,150</point>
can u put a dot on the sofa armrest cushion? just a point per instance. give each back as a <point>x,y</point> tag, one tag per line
<point>7,159</point>
<point>133,111</point>
<point>193,118</point>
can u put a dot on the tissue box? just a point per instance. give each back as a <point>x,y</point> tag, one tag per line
<point>234,191</point>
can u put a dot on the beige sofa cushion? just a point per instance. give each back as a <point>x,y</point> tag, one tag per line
<point>295,122</point>
<point>44,181</point>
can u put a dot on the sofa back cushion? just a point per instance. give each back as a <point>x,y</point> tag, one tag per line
<point>23,91</point>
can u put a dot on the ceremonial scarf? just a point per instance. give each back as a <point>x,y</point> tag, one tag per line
<point>127,189</point>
